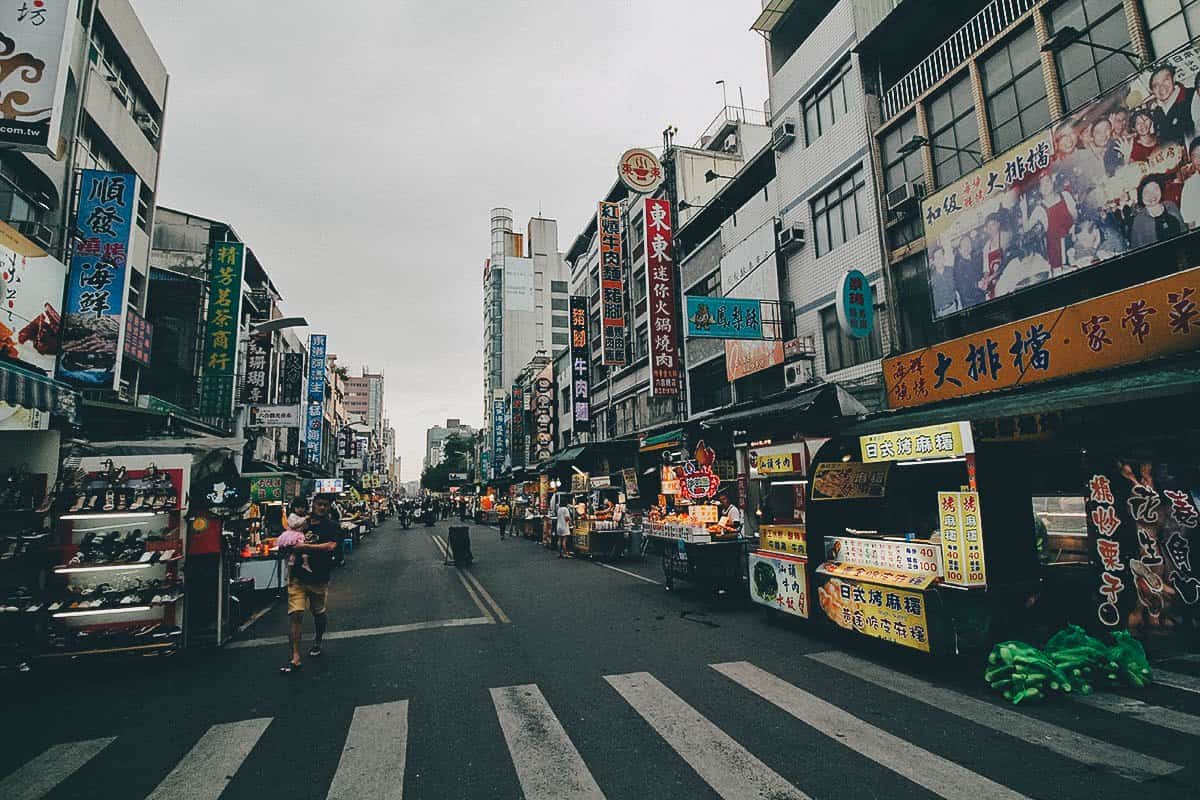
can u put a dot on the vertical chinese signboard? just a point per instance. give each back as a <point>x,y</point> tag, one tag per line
<point>139,337</point>
<point>612,285</point>
<point>38,41</point>
<point>581,403</point>
<point>314,416</point>
<point>292,382</point>
<point>517,413</point>
<point>97,285</point>
<point>221,330</point>
<point>962,539</point>
<point>543,414</point>
<point>499,431</point>
<point>258,369</point>
<point>660,289</point>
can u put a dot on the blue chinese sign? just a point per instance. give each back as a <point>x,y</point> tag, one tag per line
<point>94,313</point>
<point>856,305</point>
<point>724,317</point>
<point>315,407</point>
<point>499,433</point>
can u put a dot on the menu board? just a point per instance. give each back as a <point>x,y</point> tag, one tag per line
<point>789,539</point>
<point>847,480</point>
<point>703,513</point>
<point>920,557</point>
<point>962,539</point>
<point>780,582</point>
<point>892,614</point>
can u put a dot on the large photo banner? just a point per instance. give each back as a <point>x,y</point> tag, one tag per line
<point>1120,174</point>
<point>31,290</point>
<point>37,38</point>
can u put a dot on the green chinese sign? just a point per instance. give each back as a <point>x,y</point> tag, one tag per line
<point>221,330</point>
<point>266,490</point>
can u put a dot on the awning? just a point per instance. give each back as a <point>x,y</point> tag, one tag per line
<point>1116,386</point>
<point>19,387</point>
<point>814,410</point>
<point>773,12</point>
<point>567,455</point>
<point>662,441</point>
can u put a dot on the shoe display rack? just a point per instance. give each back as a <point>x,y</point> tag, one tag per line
<point>118,581</point>
<point>24,556</point>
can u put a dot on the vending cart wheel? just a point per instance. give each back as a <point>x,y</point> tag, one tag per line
<point>670,583</point>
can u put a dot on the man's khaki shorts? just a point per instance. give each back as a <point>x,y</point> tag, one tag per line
<point>306,595</point>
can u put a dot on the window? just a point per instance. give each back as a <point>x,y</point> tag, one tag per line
<point>709,287</point>
<point>639,285</point>
<point>558,287</point>
<point>953,128</point>
<point>1015,91</point>
<point>835,214</point>
<point>560,338</point>
<point>828,103</point>
<point>1085,71</point>
<point>840,350</point>
<point>641,344</point>
<point>1172,23</point>
<point>560,304</point>
<point>899,169</point>
<point>560,321</point>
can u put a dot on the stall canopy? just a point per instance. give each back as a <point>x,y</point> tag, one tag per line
<point>19,387</point>
<point>566,456</point>
<point>661,441</point>
<point>814,409</point>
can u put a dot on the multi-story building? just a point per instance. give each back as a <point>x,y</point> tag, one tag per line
<point>364,398</point>
<point>435,439</point>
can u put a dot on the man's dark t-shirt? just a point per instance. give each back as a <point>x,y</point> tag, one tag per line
<point>320,531</point>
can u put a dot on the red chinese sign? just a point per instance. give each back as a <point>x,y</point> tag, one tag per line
<point>612,285</point>
<point>660,291</point>
<point>139,334</point>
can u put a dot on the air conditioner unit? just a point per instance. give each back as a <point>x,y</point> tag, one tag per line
<point>731,143</point>
<point>905,193</point>
<point>798,373</point>
<point>791,237</point>
<point>783,135</point>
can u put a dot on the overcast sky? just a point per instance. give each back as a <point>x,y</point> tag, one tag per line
<point>359,146</point>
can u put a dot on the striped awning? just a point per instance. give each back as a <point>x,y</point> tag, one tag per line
<point>19,387</point>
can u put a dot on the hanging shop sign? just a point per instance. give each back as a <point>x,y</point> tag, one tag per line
<point>922,558</point>
<point>329,486</point>
<point>629,477</point>
<point>669,482</point>
<point>612,285</point>
<point>849,480</point>
<point>660,291</point>
<point>780,582</point>
<point>351,464</point>
<point>946,440</point>
<point>273,416</point>
<point>962,539</point>
<point>517,424</point>
<point>703,513</point>
<point>221,330</point>
<point>461,477</point>
<point>543,414</point>
<point>748,270</point>
<point>1152,319</point>
<point>31,291</point>
<point>257,381</point>
<point>314,418</point>
<point>139,338</point>
<point>1086,202</point>
<point>39,39</point>
<point>883,612</point>
<point>499,430</point>
<point>93,324</point>
<point>790,540</point>
<point>581,414</point>
<point>266,490</point>
<point>579,482</point>
<point>856,305</point>
<point>640,170</point>
<point>743,358</point>
<point>723,317</point>
<point>697,480</point>
<point>600,482</point>
<point>291,383</point>
<point>779,459</point>
<point>346,446</point>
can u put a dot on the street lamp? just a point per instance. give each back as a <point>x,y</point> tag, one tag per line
<point>1068,35</point>
<point>712,175</point>
<point>918,141</point>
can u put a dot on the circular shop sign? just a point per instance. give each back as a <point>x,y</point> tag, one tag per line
<point>640,170</point>
<point>856,305</point>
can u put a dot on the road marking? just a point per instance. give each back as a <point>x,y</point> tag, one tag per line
<point>730,769</point>
<point>500,615</point>
<point>36,778</point>
<point>445,548</point>
<point>1176,680</point>
<point>1183,657</point>
<point>208,767</point>
<point>627,572</point>
<point>940,776</point>
<point>359,633</point>
<point>1143,712</point>
<point>548,765</point>
<point>1076,746</point>
<point>372,763</point>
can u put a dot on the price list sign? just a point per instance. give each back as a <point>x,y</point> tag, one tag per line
<point>962,538</point>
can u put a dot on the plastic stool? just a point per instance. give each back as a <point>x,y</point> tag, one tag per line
<point>348,545</point>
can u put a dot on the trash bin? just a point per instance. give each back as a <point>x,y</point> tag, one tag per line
<point>460,545</point>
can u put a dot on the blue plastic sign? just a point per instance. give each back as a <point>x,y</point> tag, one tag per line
<point>724,317</point>
<point>856,305</point>
<point>499,433</point>
<point>314,417</point>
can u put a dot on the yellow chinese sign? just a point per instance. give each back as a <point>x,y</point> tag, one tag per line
<point>948,440</point>
<point>962,538</point>
<point>788,539</point>
<point>777,464</point>
<point>221,331</point>
<point>846,480</point>
<point>703,513</point>
<point>892,614</point>
<point>1152,319</point>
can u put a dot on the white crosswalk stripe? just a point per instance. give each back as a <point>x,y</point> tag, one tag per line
<point>372,763</point>
<point>547,763</point>
<point>1144,712</point>
<point>1177,680</point>
<point>939,775</point>
<point>208,767</point>
<point>1011,722</point>
<point>52,767</point>
<point>727,767</point>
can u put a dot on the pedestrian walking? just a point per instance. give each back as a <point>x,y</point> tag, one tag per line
<point>563,528</point>
<point>309,588</point>
<point>502,518</point>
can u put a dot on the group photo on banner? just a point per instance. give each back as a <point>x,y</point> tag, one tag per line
<point>1119,174</point>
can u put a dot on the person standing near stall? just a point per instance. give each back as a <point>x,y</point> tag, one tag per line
<point>731,515</point>
<point>310,588</point>
<point>563,528</point>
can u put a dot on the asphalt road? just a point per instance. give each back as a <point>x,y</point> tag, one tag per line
<point>529,676</point>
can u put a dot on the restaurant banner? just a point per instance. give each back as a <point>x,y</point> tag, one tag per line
<point>660,289</point>
<point>581,404</point>
<point>849,480</point>
<point>944,440</point>
<point>256,384</point>
<point>724,317</point>
<point>291,384</point>
<point>267,490</point>
<point>883,612</point>
<point>31,292</point>
<point>139,338</point>
<point>612,285</point>
<point>273,416</point>
<point>1113,177</point>
<point>38,38</point>
<point>314,419</point>
<point>93,324</point>
<point>779,582</point>
<point>517,424</point>
<point>543,414</point>
<point>1132,325</point>
<point>221,329</point>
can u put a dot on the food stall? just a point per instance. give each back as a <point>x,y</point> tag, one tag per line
<point>600,530</point>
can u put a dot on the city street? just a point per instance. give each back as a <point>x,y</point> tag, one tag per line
<point>529,676</point>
